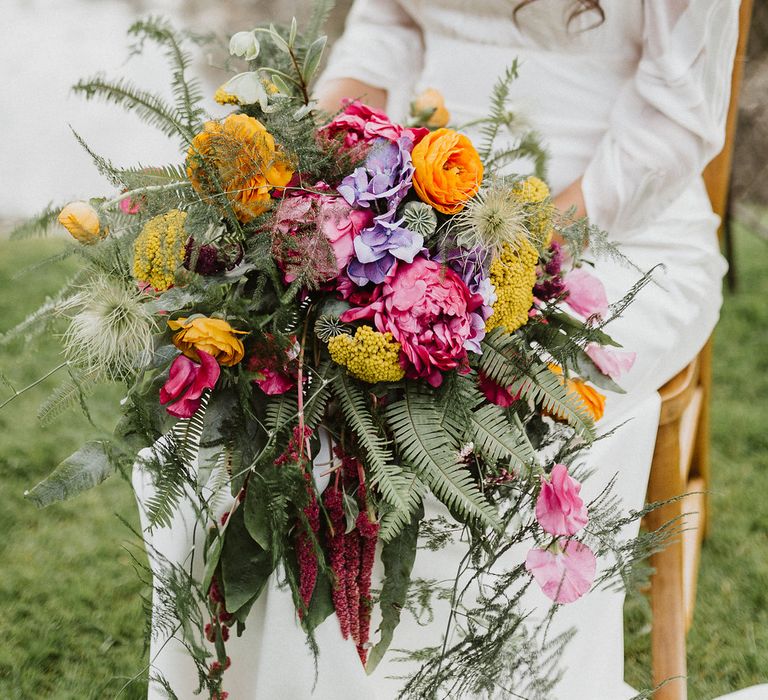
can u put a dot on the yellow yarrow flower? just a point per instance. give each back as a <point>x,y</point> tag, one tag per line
<point>222,97</point>
<point>513,274</point>
<point>534,193</point>
<point>370,356</point>
<point>159,250</point>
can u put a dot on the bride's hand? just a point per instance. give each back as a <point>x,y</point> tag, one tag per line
<point>334,91</point>
<point>570,199</point>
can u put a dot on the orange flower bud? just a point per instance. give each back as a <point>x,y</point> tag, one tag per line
<point>430,107</point>
<point>82,221</point>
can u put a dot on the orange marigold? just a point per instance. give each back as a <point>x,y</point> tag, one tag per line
<point>237,158</point>
<point>448,170</point>
<point>591,399</point>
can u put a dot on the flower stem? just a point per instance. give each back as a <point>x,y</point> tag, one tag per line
<point>16,393</point>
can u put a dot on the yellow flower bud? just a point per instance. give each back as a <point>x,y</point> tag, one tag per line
<point>430,106</point>
<point>82,221</point>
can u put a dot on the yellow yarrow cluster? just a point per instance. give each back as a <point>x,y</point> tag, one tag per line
<point>370,356</point>
<point>222,97</point>
<point>159,250</point>
<point>534,193</point>
<point>513,274</point>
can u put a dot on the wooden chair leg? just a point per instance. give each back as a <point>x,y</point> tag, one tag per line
<point>667,602</point>
<point>700,462</point>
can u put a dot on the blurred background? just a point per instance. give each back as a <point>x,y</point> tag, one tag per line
<point>71,618</point>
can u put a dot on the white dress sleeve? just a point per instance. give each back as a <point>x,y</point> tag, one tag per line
<point>381,46</point>
<point>668,122</point>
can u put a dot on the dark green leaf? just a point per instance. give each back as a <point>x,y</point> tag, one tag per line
<point>256,513</point>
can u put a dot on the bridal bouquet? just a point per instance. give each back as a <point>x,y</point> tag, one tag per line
<point>333,320</point>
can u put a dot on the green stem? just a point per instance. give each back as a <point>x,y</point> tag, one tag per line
<point>16,394</point>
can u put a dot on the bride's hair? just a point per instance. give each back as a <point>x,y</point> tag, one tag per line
<point>580,7</point>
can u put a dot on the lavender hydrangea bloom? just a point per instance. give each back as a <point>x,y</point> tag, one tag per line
<point>377,247</point>
<point>472,267</point>
<point>384,180</point>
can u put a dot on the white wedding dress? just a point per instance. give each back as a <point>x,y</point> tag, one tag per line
<point>636,106</point>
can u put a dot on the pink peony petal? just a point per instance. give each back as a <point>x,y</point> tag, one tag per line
<point>612,363</point>
<point>586,293</point>
<point>566,576</point>
<point>559,508</point>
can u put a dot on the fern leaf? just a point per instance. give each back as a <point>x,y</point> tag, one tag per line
<point>503,359</point>
<point>149,107</point>
<point>544,387</point>
<point>188,434</point>
<point>281,413</point>
<point>498,439</point>
<point>393,521</point>
<point>321,10</point>
<point>66,395</point>
<point>386,476</point>
<point>38,225</point>
<point>427,447</point>
<point>318,393</point>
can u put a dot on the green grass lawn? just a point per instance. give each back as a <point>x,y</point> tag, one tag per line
<point>71,622</point>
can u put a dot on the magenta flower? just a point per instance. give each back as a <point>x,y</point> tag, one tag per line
<point>131,206</point>
<point>612,363</point>
<point>496,393</point>
<point>566,575</point>
<point>430,312</point>
<point>363,124</point>
<point>187,380</point>
<point>275,382</point>
<point>586,293</point>
<point>559,508</point>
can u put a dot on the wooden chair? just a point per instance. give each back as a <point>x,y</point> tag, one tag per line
<point>681,460</point>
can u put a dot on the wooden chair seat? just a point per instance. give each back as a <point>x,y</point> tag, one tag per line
<point>680,470</point>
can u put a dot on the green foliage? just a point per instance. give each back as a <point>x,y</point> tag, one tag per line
<point>429,450</point>
<point>497,439</point>
<point>86,468</point>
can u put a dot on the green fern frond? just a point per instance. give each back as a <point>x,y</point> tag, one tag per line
<point>38,225</point>
<point>503,358</point>
<point>429,449</point>
<point>542,386</point>
<point>393,521</point>
<point>498,114</point>
<point>497,439</point>
<point>387,477</point>
<point>67,395</point>
<point>318,393</point>
<point>170,486</point>
<point>528,147</point>
<point>321,11</point>
<point>281,413</point>
<point>188,434</point>
<point>151,108</point>
<point>188,93</point>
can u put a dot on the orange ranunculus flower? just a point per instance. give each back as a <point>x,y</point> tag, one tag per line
<point>431,105</point>
<point>591,399</point>
<point>237,158</point>
<point>212,335</point>
<point>448,170</point>
<point>82,221</point>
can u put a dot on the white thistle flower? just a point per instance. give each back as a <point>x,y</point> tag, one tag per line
<point>491,219</point>
<point>112,331</point>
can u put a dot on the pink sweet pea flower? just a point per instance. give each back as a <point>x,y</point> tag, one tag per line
<point>564,576</point>
<point>559,508</point>
<point>496,393</point>
<point>130,206</point>
<point>586,293</point>
<point>187,380</point>
<point>612,363</point>
<point>363,124</point>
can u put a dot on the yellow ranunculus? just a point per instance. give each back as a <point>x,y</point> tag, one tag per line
<point>448,170</point>
<point>212,335</point>
<point>82,221</point>
<point>430,105</point>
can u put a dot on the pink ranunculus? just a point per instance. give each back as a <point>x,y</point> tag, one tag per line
<point>612,363</point>
<point>430,311</point>
<point>363,124</point>
<point>564,576</point>
<point>496,393</point>
<point>337,220</point>
<point>187,380</point>
<point>586,293</point>
<point>559,507</point>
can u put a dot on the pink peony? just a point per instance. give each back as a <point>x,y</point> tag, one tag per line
<point>331,214</point>
<point>363,124</point>
<point>564,576</point>
<point>187,380</point>
<point>430,312</point>
<point>559,508</point>
<point>612,363</point>
<point>496,393</point>
<point>586,293</point>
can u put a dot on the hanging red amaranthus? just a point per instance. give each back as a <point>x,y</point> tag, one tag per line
<point>334,504</point>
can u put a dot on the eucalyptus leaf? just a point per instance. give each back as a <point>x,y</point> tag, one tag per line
<point>398,556</point>
<point>312,58</point>
<point>83,470</point>
<point>280,43</point>
<point>292,34</point>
